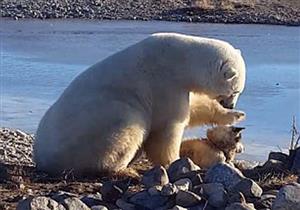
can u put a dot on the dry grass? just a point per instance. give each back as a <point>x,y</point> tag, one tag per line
<point>276,181</point>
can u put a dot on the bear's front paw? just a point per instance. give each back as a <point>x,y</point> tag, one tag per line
<point>234,116</point>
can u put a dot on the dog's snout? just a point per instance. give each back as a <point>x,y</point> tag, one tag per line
<point>231,106</point>
<point>226,105</point>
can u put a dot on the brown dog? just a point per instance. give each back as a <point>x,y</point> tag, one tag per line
<point>221,145</point>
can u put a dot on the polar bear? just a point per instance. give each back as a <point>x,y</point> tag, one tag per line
<point>138,97</point>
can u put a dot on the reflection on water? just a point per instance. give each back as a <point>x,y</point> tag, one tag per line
<point>40,58</point>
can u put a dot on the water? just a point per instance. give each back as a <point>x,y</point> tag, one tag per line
<point>40,58</point>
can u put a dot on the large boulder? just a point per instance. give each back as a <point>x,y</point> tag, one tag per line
<point>296,162</point>
<point>155,176</point>
<point>288,198</point>
<point>74,203</point>
<point>38,203</point>
<point>180,167</point>
<point>187,199</point>
<point>145,200</point>
<point>215,194</point>
<point>248,187</point>
<point>225,174</point>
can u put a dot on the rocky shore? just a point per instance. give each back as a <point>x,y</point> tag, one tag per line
<point>213,11</point>
<point>242,186</point>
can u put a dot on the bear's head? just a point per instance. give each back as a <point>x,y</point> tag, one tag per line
<point>229,78</point>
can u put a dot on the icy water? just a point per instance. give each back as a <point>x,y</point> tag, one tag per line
<point>40,58</point>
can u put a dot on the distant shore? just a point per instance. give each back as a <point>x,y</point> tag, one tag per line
<point>228,11</point>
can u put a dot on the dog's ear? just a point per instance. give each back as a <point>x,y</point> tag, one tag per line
<point>237,129</point>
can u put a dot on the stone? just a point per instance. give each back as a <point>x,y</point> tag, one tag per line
<point>155,176</point>
<point>215,194</point>
<point>124,205</point>
<point>99,207</point>
<point>180,167</point>
<point>202,206</point>
<point>144,199</point>
<point>74,203</point>
<point>236,197</point>
<point>187,198</point>
<point>184,184</point>
<point>194,176</point>
<point>288,198</point>
<point>155,190</point>
<point>225,174</point>
<point>278,156</point>
<point>178,208</point>
<point>92,199</point>
<point>38,203</point>
<point>296,162</point>
<point>265,201</point>
<point>240,206</point>
<point>248,187</point>
<point>273,166</point>
<point>59,196</point>
<point>245,164</point>
<point>110,191</point>
<point>169,189</point>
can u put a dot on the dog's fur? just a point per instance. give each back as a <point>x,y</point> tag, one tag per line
<point>221,145</point>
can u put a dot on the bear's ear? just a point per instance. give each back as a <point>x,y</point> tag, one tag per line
<point>238,51</point>
<point>230,73</point>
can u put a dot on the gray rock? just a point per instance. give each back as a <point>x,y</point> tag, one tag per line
<point>144,199</point>
<point>202,206</point>
<point>296,162</point>
<point>225,174</point>
<point>273,166</point>
<point>245,164</point>
<point>288,198</point>
<point>124,205</point>
<point>215,193</point>
<point>155,190</point>
<point>180,167</point>
<point>110,192</point>
<point>178,208</point>
<point>92,199</point>
<point>265,201</point>
<point>240,206</point>
<point>187,199</point>
<point>184,184</point>
<point>194,176</point>
<point>74,203</point>
<point>99,207</point>
<point>38,203</point>
<point>155,176</point>
<point>248,187</point>
<point>278,156</point>
<point>236,197</point>
<point>169,189</point>
<point>59,196</point>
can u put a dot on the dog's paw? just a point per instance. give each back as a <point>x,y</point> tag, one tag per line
<point>234,116</point>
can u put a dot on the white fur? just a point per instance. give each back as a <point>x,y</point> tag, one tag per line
<point>137,97</point>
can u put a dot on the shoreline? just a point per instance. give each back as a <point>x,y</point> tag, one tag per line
<point>259,185</point>
<point>233,12</point>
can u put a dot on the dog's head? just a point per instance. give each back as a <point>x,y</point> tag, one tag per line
<point>227,137</point>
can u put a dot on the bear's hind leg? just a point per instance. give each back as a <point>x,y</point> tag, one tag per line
<point>126,143</point>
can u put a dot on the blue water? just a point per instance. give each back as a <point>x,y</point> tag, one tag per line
<point>40,58</point>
